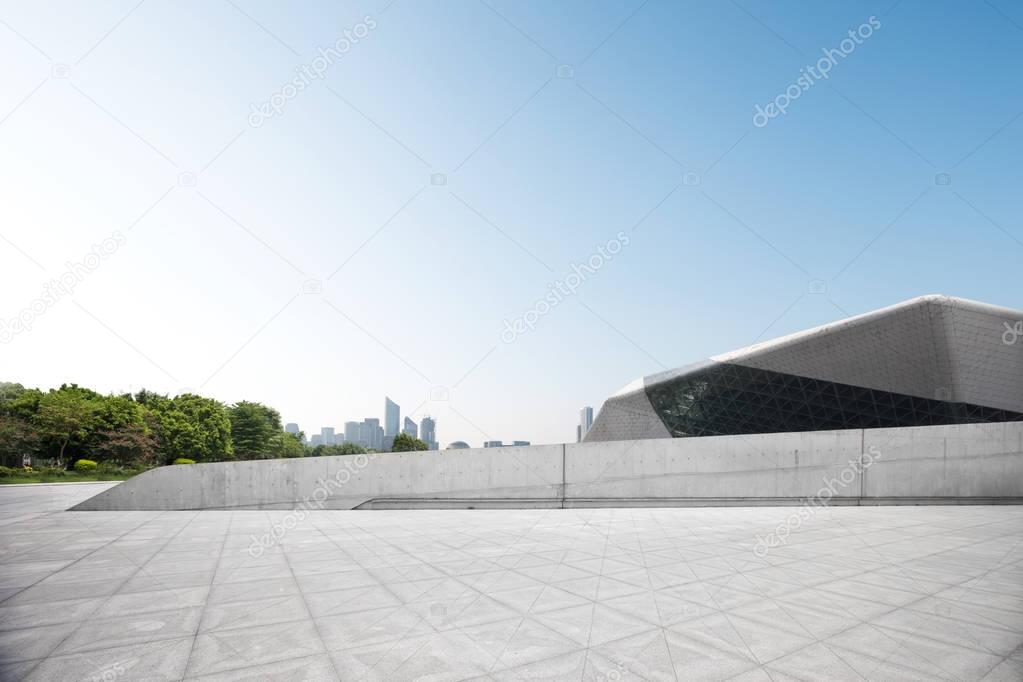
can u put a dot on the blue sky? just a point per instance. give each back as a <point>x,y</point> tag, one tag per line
<point>134,118</point>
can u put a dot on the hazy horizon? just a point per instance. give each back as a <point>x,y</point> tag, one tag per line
<point>450,172</point>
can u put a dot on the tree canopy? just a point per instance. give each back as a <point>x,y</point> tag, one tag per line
<point>66,424</point>
<point>403,442</point>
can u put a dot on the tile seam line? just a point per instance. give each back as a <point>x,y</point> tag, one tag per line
<point>84,556</point>
<point>205,602</point>
<point>107,598</point>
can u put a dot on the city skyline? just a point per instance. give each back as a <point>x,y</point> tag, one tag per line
<point>567,210</point>
<point>425,429</point>
<point>369,433</point>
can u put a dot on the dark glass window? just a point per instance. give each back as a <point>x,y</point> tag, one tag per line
<point>725,399</point>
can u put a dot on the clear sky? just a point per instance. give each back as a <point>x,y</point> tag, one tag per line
<point>377,230</point>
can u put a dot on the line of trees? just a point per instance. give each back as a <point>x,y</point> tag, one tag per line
<point>141,430</point>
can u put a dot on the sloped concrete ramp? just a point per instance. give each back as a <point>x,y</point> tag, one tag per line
<point>962,464</point>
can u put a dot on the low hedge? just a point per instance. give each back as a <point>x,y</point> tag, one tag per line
<point>85,466</point>
<point>184,460</point>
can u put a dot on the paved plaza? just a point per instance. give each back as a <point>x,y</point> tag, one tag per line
<point>854,593</point>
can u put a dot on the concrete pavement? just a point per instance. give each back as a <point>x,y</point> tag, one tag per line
<point>847,593</point>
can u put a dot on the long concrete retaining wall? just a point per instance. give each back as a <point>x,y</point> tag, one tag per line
<point>965,464</point>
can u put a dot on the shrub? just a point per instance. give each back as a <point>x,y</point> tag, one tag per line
<point>7,471</point>
<point>184,460</point>
<point>52,471</point>
<point>85,465</point>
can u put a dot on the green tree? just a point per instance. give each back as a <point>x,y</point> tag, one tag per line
<point>9,391</point>
<point>284,444</point>
<point>130,444</point>
<point>17,438</point>
<point>65,415</point>
<point>23,404</point>
<point>120,419</point>
<point>211,424</point>
<point>190,426</point>
<point>349,449</point>
<point>254,430</point>
<point>403,442</point>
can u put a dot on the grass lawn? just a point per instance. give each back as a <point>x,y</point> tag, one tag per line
<point>68,477</point>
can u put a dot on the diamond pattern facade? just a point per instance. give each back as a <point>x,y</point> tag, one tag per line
<point>727,399</point>
<point>928,361</point>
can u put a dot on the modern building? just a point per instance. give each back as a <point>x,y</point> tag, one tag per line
<point>585,422</point>
<point>371,433</point>
<point>291,427</point>
<point>353,432</point>
<point>928,361</point>
<point>428,432</point>
<point>411,428</point>
<point>392,417</point>
<point>502,444</point>
<point>458,445</point>
<point>327,435</point>
<point>317,439</point>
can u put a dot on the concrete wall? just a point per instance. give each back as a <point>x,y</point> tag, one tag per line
<point>965,461</point>
<point>954,464</point>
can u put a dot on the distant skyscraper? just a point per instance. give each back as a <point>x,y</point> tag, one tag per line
<point>291,427</point>
<point>585,422</point>
<point>392,417</point>
<point>428,432</point>
<point>411,428</point>
<point>327,435</point>
<point>317,439</point>
<point>578,433</point>
<point>371,433</point>
<point>352,432</point>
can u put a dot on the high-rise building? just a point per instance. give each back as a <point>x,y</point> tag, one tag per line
<point>585,422</point>
<point>392,417</point>
<point>291,427</point>
<point>411,428</point>
<point>371,433</point>
<point>327,435</point>
<point>352,432</point>
<point>317,439</point>
<point>428,432</point>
